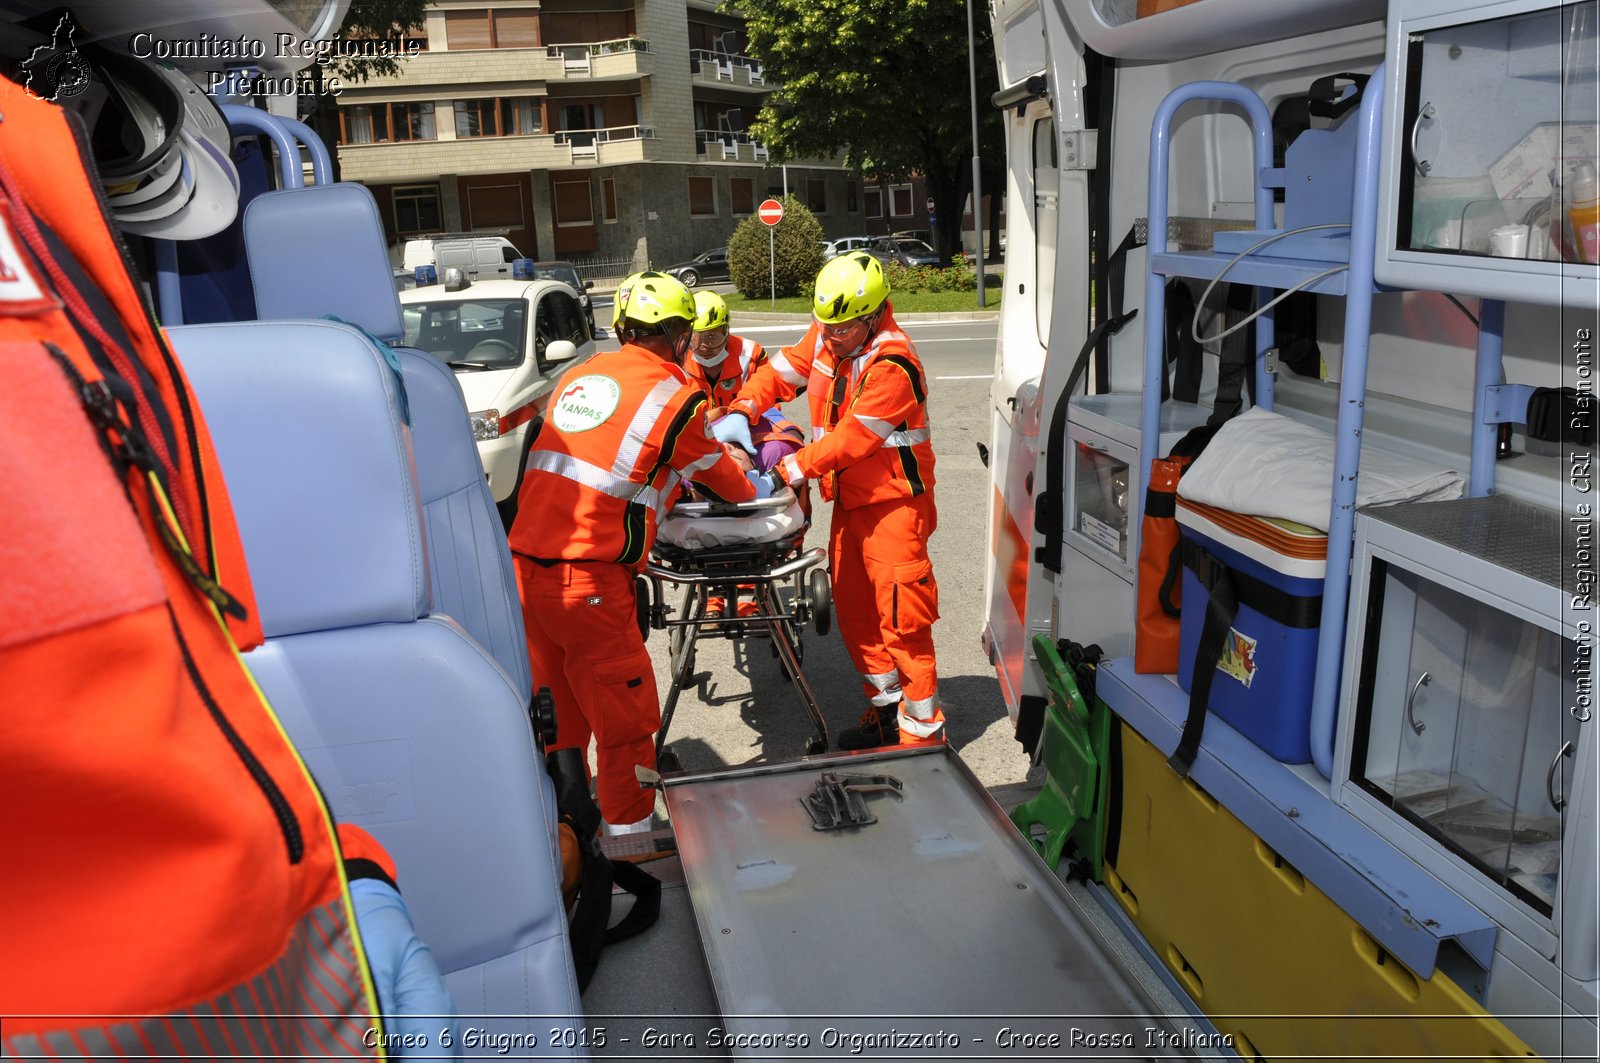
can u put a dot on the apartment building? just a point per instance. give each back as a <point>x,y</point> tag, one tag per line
<point>595,130</point>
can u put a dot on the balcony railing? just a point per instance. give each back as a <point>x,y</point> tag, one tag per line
<point>577,57</point>
<point>726,67</point>
<point>719,144</point>
<point>584,144</point>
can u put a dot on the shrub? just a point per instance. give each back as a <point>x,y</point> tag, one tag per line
<point>930,279</point>
<point>798,248</point>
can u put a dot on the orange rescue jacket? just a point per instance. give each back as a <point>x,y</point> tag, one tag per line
<point>175,886</point>
<point>623,430</point>
<point>870,440</point>
<point>721,383</point>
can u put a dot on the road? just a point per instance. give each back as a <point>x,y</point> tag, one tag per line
<point>741,710</point>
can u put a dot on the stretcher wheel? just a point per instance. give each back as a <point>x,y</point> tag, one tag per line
<point>668,761</point>
<point>821,601</point>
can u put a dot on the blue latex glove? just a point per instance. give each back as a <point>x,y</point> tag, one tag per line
<point>762,482</point>
<point>734,428</point>
<point>419,1015</point>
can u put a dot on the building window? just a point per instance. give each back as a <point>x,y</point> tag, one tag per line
<point>817,196</point>
<point>702,197</point>
<point>900,201</point>
<point>850,201</point>
<point>743,194</point>
<point>574,202</point>
<point>873,200</point>
<point>416,208</point>
<point>385,122</point>
<point>475,118</point>
<point>608,198</point>
<point>466,30</point>
<point>519,117</point>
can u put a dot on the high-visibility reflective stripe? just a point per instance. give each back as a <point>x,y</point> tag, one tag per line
<point>920,728</point>
<point>817,432</point>
<point>594,477</point>
<point>688,471</point>
<point>644,419</point>
<point>887,685</point>
<point>318,1010</point>
<point>792,473</point>
<point>922,709</point>
<point>786,370</point>
<point>877,425</point>
<point>907,438</point>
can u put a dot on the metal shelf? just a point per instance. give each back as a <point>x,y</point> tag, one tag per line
<point>1263,271</point>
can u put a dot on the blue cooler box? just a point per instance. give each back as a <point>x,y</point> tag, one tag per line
<point>1269,658</point>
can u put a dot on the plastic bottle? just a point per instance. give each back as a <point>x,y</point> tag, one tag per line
<point>1584,212</point>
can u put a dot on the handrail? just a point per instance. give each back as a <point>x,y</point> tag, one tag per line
<point>258,121</point>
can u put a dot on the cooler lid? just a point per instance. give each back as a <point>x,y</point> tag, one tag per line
<point>1282,545</point>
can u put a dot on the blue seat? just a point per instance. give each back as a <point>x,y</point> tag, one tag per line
<point>411,728</point>
<point>320,251</point>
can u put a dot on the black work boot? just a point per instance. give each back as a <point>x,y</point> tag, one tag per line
<point>877,727</point>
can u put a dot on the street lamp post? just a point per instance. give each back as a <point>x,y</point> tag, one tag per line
<point>977,187</point>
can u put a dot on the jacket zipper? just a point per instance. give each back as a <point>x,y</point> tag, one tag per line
<point>130,452</point>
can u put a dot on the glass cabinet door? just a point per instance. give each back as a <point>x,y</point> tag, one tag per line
<point>1100,499</point>
<point>1498,137</point>
<point>1463,728</point>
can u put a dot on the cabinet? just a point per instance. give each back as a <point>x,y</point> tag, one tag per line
<point>1463,733</point>
<point>1491,119</point>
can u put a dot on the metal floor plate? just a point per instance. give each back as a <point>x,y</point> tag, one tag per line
<point>936,931</point>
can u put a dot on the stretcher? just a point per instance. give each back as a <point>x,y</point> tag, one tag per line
<point>739,552</point>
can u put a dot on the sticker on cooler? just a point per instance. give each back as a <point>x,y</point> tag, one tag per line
<point>1238,657</point>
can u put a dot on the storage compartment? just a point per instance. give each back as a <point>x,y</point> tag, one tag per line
<point>1490,149</point>
<point>1263,679</point>
<point>1466,703</point>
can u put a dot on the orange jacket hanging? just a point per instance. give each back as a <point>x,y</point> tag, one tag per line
<point>175,885</point>
<point>869,415</point>
<point>623,430</point>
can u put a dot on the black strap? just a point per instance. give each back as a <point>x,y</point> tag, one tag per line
<point>1259,596</point>
<point>1183,352</point>
<point>1048,512</point>
<point>1236,360</point>
<point>1221,608</point>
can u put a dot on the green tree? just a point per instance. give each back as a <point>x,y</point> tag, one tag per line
<point>790,257</point>
<point>363,19</point>
<point>887,82</point>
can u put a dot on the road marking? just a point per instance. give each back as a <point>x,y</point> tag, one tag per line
<point>980,376</point>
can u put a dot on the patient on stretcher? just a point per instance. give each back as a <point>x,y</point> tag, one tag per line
<point>691,526</point>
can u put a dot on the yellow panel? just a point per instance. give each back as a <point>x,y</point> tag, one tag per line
<point>1269,958</point>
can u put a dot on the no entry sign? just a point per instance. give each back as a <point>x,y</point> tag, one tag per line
<point>770,211</point>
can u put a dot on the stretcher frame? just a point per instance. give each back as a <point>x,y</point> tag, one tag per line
<point>720,570</point>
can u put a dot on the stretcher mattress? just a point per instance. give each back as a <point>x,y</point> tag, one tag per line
<point>697,525</point>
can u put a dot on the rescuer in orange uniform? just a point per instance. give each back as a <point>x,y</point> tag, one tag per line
<point>871,453</point>
<point>623,430</point>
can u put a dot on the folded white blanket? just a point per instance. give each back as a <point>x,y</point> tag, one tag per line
<point>1268,465</point>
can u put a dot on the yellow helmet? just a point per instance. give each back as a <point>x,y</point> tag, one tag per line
<point>709,311</point>
<point>651,298</point>
<point>848,287</point>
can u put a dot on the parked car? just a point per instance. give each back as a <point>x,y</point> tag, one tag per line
<point>707,267</point>
<point>508,342</point>
<point>845,243</point>
<point>568,273</point>
<point>904,250</point>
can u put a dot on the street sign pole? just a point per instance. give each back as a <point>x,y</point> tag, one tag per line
<point>771,213</point>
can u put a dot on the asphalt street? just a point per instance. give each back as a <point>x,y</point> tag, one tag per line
<point>739,708</point>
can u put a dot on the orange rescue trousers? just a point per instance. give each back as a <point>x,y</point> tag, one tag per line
<point>886,599</point>
<point>584,644</point>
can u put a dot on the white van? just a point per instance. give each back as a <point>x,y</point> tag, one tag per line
<point>475,254</point>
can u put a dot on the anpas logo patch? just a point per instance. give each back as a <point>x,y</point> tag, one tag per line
<point>588,402</point>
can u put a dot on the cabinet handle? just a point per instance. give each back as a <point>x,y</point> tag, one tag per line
<point>1422,681</point>
<point>1427,111</point>
<point>1557,801</point>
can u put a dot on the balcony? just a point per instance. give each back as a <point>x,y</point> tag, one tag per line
<point>560,150</point>
<point>468,67</point>
<point>727,70</point>
<point>622,59</point>
<point>721,146</point>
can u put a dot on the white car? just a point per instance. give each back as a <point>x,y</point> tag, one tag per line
<point>508,341</point>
